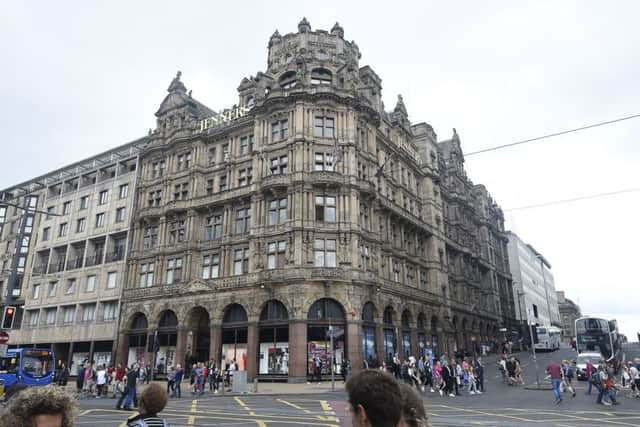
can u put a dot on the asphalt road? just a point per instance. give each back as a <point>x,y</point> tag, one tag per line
<point>500,405</point>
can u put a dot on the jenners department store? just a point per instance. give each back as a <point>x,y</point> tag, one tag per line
<point>308,215</point>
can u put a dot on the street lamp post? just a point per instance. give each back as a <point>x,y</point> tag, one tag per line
<point>533,349</point>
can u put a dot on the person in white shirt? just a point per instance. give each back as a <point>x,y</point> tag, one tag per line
<point>101,381</point>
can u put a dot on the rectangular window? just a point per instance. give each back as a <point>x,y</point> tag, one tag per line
<point>120,214</point>
<point>276,252</point>
<point>150,237</point>
<point>154,199</point>
<point>34,316</point>
<point>176,231</point>
<point>45,233</point>
<point>71,286</point>
<point>213,227</point>
<point>225,152</point>
<point>277,211</point>
<point>68,314</point>
<point>50,318</point>
<point>326,208</point>
<point>66,208</point>
<point>323,127</point>
<point>212,155</point>
<point>209,187</point>
<point>146,275</point>
<point>100,220</point>
<point>109,310</point>
<point>64,228</point>
<point>184,161</point>
<point>211,266</point>
<point>81,224</point>
<point>246,144</point>
<point>279,165</point>
<point>245,177</point>
<point>181,191</point>
<point>324,162</point>
<point>241,261</point>
<point>53,288</point>
<point>103,197</point>
<point>112,279</point>
<point>51,210</point>
<point>174,270</point>
<point>124,191</point>
<point>158,169</point>
<point>243,220</point>
<point>222,183</point>
<point>84,202</point>
<point>325,252</point>
<point>88,312</point>
<point>279,130</point>
<point>91,284</point>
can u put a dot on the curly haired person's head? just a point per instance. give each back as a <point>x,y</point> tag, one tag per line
<point>40,406</point>
<point>153,399</point>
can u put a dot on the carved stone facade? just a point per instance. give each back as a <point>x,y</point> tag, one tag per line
<point>312,210</point>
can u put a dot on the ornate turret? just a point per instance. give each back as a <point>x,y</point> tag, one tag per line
<point>275,38</point>
<point>304,26</point>
<point>337,30</point>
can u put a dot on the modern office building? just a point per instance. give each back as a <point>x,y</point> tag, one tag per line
<point>534,288</point>
<point>76,266</point>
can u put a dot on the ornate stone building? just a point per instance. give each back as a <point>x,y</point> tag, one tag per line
<point>303,216</point>
<point>569,312</point>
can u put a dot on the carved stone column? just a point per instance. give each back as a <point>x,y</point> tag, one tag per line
<point>297,351</point>
<point>354,340</point>
<point>252,351</point>
<point>215,346</point>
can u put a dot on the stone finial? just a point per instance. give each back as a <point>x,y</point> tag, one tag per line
<point>176,85</point>
<point>337,30</point>
<point>304,26</point>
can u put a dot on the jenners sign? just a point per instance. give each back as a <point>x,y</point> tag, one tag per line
<point>222,118</point>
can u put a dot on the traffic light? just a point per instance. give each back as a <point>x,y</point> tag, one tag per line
<point>8,316</point>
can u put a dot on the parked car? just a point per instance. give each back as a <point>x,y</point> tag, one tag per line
<point>581,364</point>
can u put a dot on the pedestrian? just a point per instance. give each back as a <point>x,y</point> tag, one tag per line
<point>80,378</point>
<point>47,406</point>
<point>589,371</point>
<point>214,375</point>
<point>502,366</point>
<point>177,384</point>
<point>448,379</point>
<point>567,377</point>
<point>413,413</point>
<point>152,401</point>
<point>101,381</point>
<point>129,396</point>
<point>200,378</point>
<point>555,372</point>
<point>374,399</point>
<point>458,376</point>
<point>171,375</point>
<point>479,368</point>
<point>63,376</point>
<point>634,373</point>
<point>517,368</point>
<point>437,376</point>
<point>89,380</point>
<point>607,388</point>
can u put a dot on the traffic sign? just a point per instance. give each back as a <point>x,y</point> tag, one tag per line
<point>4,337</point>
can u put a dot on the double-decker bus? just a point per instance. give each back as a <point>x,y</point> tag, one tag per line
<point>28,366</point>
<point>599,335</point>
<point>548,338</point>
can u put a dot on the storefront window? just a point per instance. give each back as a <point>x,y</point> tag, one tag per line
<point>234,337</point>
<point>369,334</point>
<point>326,322</point>
<point>274,339</point>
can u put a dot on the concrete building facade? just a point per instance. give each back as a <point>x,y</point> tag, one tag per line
<point>534,288</point>
<point>569,312</point>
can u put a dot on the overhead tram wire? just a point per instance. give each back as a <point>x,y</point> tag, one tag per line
<point>551,135</point>
<point>575,199</point>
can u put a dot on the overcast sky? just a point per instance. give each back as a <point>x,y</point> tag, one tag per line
<point>78,78</point>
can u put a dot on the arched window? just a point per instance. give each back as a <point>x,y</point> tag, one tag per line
<point>325,309</point>
<point>421,321</point>
<point>168,320</point>
<point>234,314</point>
<point>321,76</point>
<point>368,313</point>
<point>406,319</point>
<point>274,310</point>
<point>387,317</point>
<point>139,322</point>
<point>288,80</point>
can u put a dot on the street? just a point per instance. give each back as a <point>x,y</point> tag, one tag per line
<point>500,405</point>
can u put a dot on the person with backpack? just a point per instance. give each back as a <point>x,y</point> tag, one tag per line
<point>567,377</point>
<point>152,401</point>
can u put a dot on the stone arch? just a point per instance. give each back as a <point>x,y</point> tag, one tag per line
<point>421,322</point>
<point>234,313</point>
<point>388,317</point>
<point>321,76</point>
<point>138,321</point>
<point>167,319</point>
<point>274,310</point>
<point>326,309</point>
<point>406,319</point>
<point>369,312</point>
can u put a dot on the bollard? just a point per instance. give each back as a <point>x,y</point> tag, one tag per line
<point>255,385</point>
